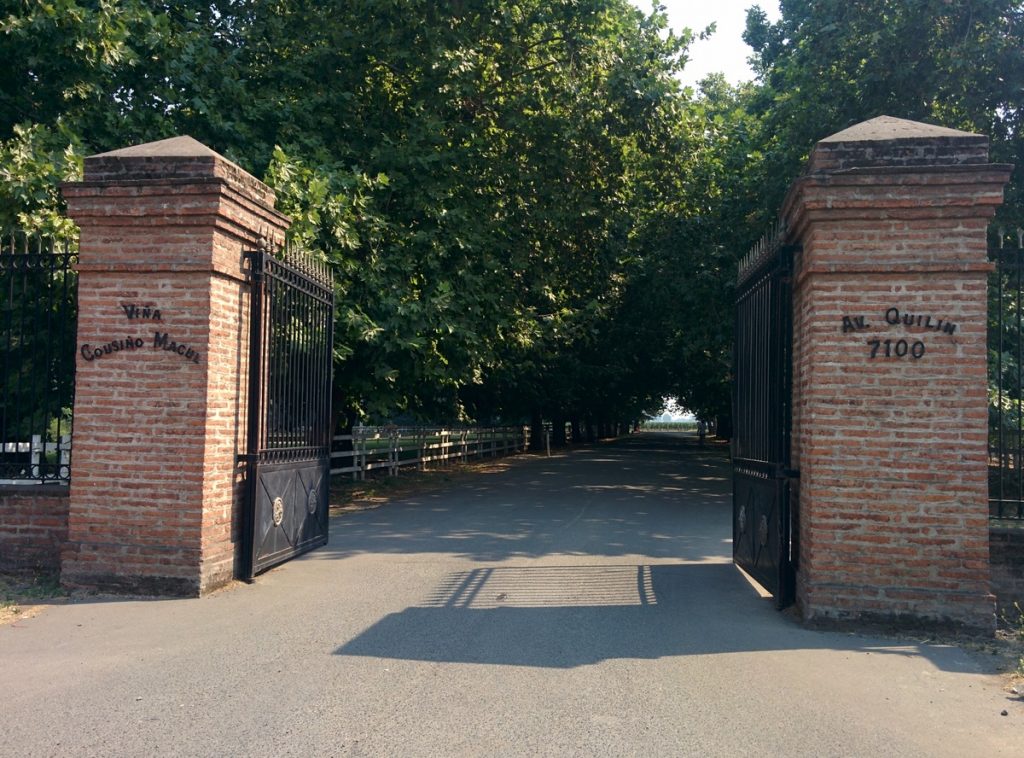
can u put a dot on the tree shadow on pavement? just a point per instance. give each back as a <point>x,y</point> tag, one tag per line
<point>658,498</point>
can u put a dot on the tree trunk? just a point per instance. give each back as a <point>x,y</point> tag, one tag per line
<point>723,427</point>
<point>344,418</point>
<point>558,431</point>
<point>536,432</point>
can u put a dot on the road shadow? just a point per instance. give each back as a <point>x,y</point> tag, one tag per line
<point>570,616</point>
<point>660,502</point>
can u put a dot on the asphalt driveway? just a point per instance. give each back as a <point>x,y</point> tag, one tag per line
<point>579,605</point>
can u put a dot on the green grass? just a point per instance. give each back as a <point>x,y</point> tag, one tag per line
<point>1013,621</point>
<point>345,491</point>
<point>17,590</point>
<point>379,487</point>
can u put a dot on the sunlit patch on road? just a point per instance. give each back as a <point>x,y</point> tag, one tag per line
<point>546,586</point>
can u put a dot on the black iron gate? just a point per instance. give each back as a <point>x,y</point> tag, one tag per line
<point>763,532</point>
<point>288,450</point>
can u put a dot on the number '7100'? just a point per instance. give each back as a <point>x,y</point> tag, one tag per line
<point>896,349</point>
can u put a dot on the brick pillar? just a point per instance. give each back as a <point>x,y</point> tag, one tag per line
<point>159,411</point>
<point>890,406</point>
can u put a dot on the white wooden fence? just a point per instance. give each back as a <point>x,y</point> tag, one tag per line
<point>384,447</point>
<point>392,447</point>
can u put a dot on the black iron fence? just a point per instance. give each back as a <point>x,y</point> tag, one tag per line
<point>38,310</point>
<point>1005,371</point>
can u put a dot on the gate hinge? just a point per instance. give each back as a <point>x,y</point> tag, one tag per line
<point>254,271</point>
<point>247,457</point>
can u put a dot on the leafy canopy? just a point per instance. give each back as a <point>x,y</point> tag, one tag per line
<point>526,214</point>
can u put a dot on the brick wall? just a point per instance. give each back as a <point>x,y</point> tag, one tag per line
<point>159,416</point>
<point>1007,551</point>
<point>892,450</point>
<point>33,526</point>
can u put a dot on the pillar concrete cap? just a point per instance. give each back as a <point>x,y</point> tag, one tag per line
<point>894,160</point>
<point>896,144</point>
<point>174,147</point>
<point>174,160</point>
<point>888,128</point>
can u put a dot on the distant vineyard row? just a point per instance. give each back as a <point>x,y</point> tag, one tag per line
<point>669,426</point>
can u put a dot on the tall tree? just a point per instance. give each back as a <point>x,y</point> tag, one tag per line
<point>828,64</point>
<point>466,167</point>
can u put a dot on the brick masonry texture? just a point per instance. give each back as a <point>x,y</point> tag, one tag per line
<point>160,410</point>
<point>33,527</point>
<point>1007,551</point>
<point>892,450</point>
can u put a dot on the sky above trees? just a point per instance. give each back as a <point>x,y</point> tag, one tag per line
<point>724,51</point>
